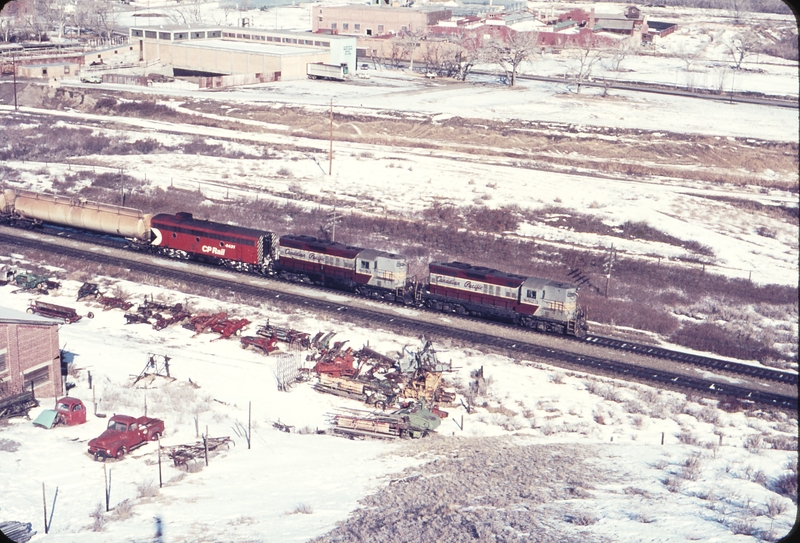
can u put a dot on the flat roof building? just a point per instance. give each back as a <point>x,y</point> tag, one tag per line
<point>219,50</point>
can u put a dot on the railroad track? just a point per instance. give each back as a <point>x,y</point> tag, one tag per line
<point>697,360</point>
<point>514,348</point>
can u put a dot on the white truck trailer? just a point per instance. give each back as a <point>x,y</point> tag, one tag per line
<point>333,72</point>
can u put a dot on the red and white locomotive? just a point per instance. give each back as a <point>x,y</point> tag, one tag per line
<point>452,287</point>
<point>532,302</point>
<point>371,273</point>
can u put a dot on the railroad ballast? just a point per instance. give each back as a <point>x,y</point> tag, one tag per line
<point>453,287</point>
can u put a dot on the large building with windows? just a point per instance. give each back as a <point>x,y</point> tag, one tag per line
<point>216,50</point>
<point>29,354</point>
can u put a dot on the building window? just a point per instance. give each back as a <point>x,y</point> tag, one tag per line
<point>320,19</point>
<point>44,71</point>
<point>66,70</point>
<point>369,32</point>
<point>326,44</point>
<point>333,26</point>
<point>164,36</point>
<point>3,361</point>
<point>150,34</point>
<point>137,33</point>
<point>380,28</point>
<point>36,377</point>
<point>345,26</point>
<point>357,27</point>
<point>269,38</point>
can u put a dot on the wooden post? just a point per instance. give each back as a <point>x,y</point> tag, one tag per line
<point>94,401</point>
<point>720,440</point>
<point>205,445</point>
<point>249,411</point>
<point>108,487</point>
<point>145,405</point>
<point>330,153</point>
<point>462,423</point>
<point>160,481</point>
<point>44,505</point>
<point>90,380</point>
<point>662,438</point>
<point>52,510</point>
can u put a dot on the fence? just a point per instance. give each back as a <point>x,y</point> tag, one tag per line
<point>218,82</point>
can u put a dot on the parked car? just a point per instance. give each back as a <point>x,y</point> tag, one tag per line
<point>68,411</point>
<point>91,79</point>
<point>124,433</point>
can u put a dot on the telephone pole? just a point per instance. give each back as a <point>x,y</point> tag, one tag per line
<point>609,264</point>
<point>330,152</point>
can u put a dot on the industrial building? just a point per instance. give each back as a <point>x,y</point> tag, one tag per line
<point>29,354</point>
<point>272,55</point>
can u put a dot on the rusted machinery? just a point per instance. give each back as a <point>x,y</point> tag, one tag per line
<point>287,335</point>
<point>18,405</point>
<point>181,455</point>
<point>88,290</point>
<point>218,323</point>
<point>377,393</point>
<point>414,421</point>
<point>56,311</point>
<point>160,315</point>
<point>265,345</point>
<point>31,281</point>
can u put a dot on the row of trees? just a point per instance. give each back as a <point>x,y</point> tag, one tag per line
<point>36,19</point>
<point>456,56</point>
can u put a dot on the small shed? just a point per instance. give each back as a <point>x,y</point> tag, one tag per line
<point>29,354</point>
<point>48,71</point>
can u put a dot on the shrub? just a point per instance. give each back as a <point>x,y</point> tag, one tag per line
<point>582,519</point>
<point>775,506</point>
<point>146,490</point>
<point>786,485</point>
<point>98,518</point>
<point>123,510</point>
<point>303,509</point>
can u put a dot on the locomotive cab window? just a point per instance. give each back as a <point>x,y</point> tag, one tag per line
<point>531,294</point>
<point>364,265</point>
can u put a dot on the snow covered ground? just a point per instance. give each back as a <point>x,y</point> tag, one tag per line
<point>294,486</point>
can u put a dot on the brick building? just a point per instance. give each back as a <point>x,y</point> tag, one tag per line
<point>372,20</point>
<point>29,353</point>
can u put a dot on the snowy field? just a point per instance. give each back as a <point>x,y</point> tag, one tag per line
<point>253,495</point>
<point>713,479</point>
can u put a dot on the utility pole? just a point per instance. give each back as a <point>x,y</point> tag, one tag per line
<point>330,152</point>
<point>609,264</point>
<point>14,68</point>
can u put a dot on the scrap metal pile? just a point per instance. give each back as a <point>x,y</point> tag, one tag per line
<point>88,290</point>
<point>181,455</point>
<point>157,314</point>
<point>412,382</point>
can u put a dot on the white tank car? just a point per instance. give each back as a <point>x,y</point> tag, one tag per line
<point>7,198</point>
<point>80,213</point>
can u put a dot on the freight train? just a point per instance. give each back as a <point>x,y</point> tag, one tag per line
<point>451,287</point>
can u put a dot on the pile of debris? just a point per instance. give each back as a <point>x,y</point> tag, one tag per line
<point>218,323</point>
<point>157,314</point>
<point>88,290</point>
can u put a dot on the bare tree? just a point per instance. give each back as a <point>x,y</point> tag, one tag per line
<point>738,7</point>
<point>511,51</point>
<point>104,16</point>
<point>187,13</point>
<point>470,52</point>
<point>585,58</point>
<point>741,45</point>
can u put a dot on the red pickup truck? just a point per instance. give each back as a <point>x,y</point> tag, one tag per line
<point>124,433</point>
